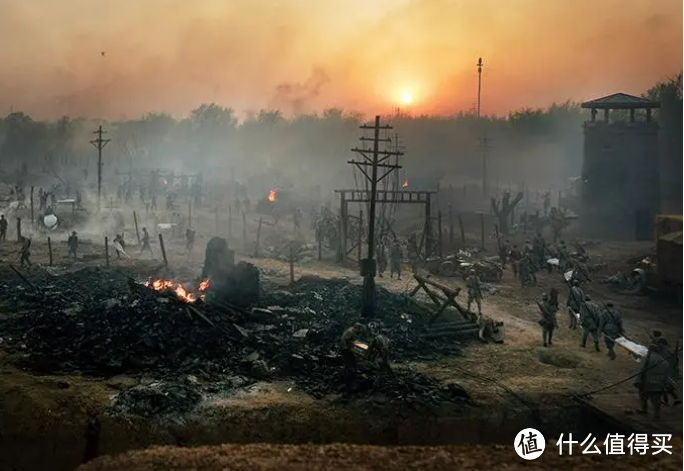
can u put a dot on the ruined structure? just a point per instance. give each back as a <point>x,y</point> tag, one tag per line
<point>620,172</point>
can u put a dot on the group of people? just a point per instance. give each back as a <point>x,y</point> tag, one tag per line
<point>396,256</point>
<point>377,353</point>
<point>537,255</point>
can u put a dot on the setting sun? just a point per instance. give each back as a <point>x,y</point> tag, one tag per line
<point>406,98</point>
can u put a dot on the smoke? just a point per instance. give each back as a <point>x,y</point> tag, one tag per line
<point>297,97</point>
<point>172,55</point>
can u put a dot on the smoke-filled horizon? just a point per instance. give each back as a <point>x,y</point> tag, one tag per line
<point>97,58</point>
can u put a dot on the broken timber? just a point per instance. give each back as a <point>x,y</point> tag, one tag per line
<point>442,300</point>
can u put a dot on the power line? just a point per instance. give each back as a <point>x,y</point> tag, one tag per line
<point>99,144</point>
<point>369,167</point>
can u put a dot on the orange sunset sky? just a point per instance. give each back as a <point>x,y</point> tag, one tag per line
<point>308,55</point>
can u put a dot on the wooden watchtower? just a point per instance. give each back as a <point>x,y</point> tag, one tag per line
<point>620,172</point>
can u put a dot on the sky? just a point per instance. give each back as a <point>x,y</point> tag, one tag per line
<point>304,56</point>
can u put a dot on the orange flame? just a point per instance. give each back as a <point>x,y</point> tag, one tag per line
<point>182,293</point>
<point>405,184</point>
<point>272,197</point>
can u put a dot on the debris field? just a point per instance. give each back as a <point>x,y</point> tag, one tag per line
<point>103,322</point>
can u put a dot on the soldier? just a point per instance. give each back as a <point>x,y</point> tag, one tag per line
<point>548,321</point>
<point>474,291</point>
<point>580,272</point>
<point>672,357</point>
<point>118,239</point>
<point>562,255</point>
<point>574,303</point>
<point>379,348</point>
<point>145,242</point>
<point>591,321</point>
<point>347,347</point>
<point>25,251</point>
<point>189,240</point>
<point>504,250</point>
<point>553,298</point>
<point>72,243</point>
<point>523,270</point>
<point>382,259</point>
<point>514,257</point>
<point>652,380</point>
<point>395,260</point>
<point>539,249</point>
<point>611,326</point>
<point>3,227</point>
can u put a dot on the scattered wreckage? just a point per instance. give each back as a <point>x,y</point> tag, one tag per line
<point>459,265</point>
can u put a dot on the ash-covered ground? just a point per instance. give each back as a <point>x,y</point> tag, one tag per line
<point>104,322</point>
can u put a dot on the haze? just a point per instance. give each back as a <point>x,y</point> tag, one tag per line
<point>304,56</point>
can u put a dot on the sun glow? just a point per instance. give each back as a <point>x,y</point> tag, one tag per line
<point>406,98</point>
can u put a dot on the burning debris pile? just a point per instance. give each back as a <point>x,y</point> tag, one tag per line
<point>103,323</point>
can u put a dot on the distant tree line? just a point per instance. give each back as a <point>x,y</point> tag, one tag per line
<point>529,144</point>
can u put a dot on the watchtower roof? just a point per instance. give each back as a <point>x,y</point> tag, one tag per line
<point>620,101</point>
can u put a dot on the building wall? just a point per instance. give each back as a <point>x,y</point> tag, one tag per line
<point>620,179</point>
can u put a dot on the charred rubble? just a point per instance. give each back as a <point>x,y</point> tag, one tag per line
<point>102,322</point>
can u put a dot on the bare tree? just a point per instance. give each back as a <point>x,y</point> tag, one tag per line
<point>503,208</point>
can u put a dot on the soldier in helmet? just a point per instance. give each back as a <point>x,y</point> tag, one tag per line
<point>347,340</point>
<point>574,303</point>
<point>611,326</point>
<point>379,349</point>
<point>591,321</point>
<point>396,256</point>
<point>474,291</point>
<point>548,321</point>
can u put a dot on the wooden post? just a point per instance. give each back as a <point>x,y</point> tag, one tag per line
<point>358,237</point>
<point>230,221</point>
<point>258,239</point>
<point>482,231</point>
<point>189,213</point>
<point>451,226</point>
<point>18,229</point>
<point>50,251</point>
<point>291,263</point>
<point>439,232</point>
<point>163,250</point>
<point>32,218</point>
<point>106,251</point>
<point>244,228</point>
<point>135,220</point>
<point>460,223</point>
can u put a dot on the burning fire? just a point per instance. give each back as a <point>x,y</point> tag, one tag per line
<point>405,184</point>
<point>179,290</point>
<point>272,197</point>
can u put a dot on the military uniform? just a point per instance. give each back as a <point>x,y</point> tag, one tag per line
<point>611,326</point>
<point>574,304</point>
<point>382,260</point>
<point>72,243</point>
<point>591,321</point>
<point>145,243</point>
<point>395,260</point>
<point>515,260</point>
<point>548,321</point>
<point>474,291</point>
<point>379,348</point>
<point>26,252</point>
<point>539,249</point>
<point>347,340</point>
<point>652,380</point>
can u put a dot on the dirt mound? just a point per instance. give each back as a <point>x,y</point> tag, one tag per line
<point>558,358</point>
<point>334,457</point>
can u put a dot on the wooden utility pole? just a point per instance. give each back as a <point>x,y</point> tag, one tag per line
<point>99,144</point>
<point>377,159</point>
<point>479,84</point>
